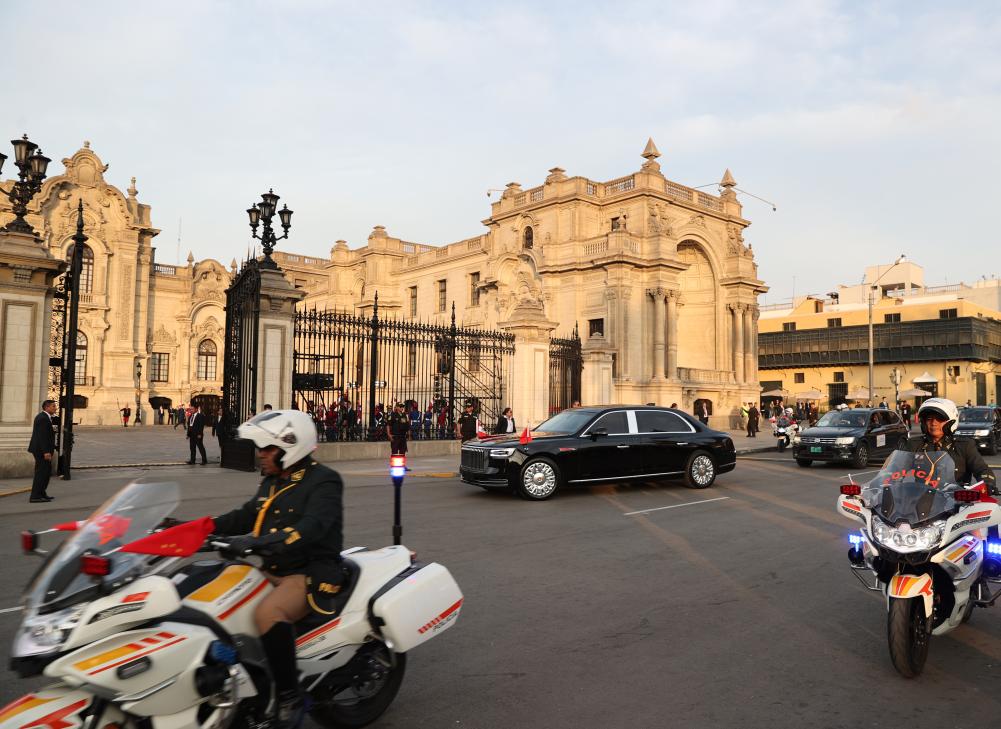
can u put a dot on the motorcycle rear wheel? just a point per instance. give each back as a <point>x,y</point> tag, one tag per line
<point>908,635</point>
<point>334,711</point>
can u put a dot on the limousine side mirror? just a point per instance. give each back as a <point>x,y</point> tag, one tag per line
<point>598,433</point>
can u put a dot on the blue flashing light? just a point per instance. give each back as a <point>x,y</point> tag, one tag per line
<point>397,471</point>
<point>855,539</point>
<point>994,548</point>
<point>222,653</point>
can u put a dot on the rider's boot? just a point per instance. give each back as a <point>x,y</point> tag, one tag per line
<point>279,647</point>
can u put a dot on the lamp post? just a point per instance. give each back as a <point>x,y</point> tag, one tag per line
<point>872,290</point>
<point>31,166</point>
<point>139,384</point>
<point>262,214</point>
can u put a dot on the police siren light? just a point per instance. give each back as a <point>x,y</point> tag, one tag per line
<point>397,466</point>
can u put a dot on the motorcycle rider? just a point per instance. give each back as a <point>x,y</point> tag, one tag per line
<point>938,416</point>
<point>295,523</point>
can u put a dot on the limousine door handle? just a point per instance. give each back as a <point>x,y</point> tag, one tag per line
<point>621,446</point>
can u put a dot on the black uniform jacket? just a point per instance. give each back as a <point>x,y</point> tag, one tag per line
<point>399,425</point>
<point>43,438</point>
<point>970,465</point>
<point>306,506</point>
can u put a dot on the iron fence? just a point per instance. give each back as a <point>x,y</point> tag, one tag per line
<point>349,370</point>
<point>566,362</point>
<point>239,379</point>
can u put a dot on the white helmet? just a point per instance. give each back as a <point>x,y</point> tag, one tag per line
<point>942,407</point>
<point>788,411</point>
<point>293,431</point>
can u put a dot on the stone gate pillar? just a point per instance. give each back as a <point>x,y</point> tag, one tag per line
<point>596,379</point>
<point>530,367</point>
<point>276,339</point>
<point>27,272</point>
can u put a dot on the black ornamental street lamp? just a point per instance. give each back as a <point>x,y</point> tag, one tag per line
<point>31,167</point>
<point>139,385</point>
<point>263,213</point>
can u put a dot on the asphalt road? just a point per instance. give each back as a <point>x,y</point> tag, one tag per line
<point>602,608</point>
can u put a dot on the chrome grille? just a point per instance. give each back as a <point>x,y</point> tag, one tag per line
<point>811,440</point>
<point>474,458</point>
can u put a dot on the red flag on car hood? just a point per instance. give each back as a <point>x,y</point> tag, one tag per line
<point>526,436</point>
<point>182,540</point>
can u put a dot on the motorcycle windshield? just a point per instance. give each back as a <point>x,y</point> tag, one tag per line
<point>912,487</point>
<point>131,513</point>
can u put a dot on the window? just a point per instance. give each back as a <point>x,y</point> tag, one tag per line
<point>159,366</point>
<point>617,223</point>
<point>411,359</point>
<point>528,237</point>
<point>839,376</point>
<point>206,360</point>
<point>952,370</point>
<point>442,294</point>
<point>891,318</point>
<point>80,378</point>
<point>799,378</point>
<point>413,300</point>
<point>612,422</point>
<point>889,417</point>
<point>947,313</point>
<point>474,288</point>
<point>87,271</point>
<point>655,421</point>
<point>474,358</point>
<point>835,322</point>
<point>300,283</point>
<point>595,327</point>
<point>788,326</point>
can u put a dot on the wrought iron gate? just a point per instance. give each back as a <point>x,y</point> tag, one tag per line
<point>566,362</point>
<point>239,378</point>
<point>359,366</point>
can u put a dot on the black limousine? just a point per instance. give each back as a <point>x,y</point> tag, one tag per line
<point>592,445</point>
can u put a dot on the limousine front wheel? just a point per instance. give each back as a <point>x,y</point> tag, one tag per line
<point>701,471</point>
<point>540,478</point>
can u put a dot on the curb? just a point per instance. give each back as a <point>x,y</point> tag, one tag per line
<point>15,492</point>
<point>763,449</point>
<point>133,465</point>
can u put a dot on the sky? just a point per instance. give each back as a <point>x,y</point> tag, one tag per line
<point>873,126</point>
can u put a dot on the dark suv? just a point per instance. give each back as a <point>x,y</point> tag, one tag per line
<point>850,436</point>
<point>982,426</point>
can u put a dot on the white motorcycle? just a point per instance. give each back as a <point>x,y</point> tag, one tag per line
<point>138,639</point>
<point>785,429</point>
<point>924,544</point>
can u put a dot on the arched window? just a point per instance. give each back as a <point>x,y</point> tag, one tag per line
<point>206,360</point>
<point>81,358</point>
<point>529,239</point>
<point>87,271</point>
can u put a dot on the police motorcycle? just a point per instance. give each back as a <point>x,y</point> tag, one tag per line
<point>139,632</point>
<point>785,428</point>
<point>923,542</point>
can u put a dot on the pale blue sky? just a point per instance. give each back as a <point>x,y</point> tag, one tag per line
<point>873,126</point>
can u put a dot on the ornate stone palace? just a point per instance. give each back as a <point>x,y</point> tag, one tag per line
<point>656,275</point>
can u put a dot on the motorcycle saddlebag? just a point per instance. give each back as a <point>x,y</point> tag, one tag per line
<point>420,605</point>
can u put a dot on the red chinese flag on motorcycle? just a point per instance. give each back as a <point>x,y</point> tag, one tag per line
<point>182,540</point>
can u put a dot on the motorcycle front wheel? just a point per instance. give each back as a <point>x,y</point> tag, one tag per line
<point>907,634</point>
<point>359,702</point>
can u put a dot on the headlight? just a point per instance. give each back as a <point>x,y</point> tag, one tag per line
<point>40,633</point>
<point>981,433</point>
<point>904,539</point>
<point>501,452</point>
<point>847,440</point>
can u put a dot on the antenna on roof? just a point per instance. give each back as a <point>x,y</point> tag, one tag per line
<point>743,192</point>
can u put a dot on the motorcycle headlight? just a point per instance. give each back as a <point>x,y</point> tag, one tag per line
<point>981,433</point>
<point>846,440</point>
<point>904,539</point>
<point>796,439</point>
<point>501,452</point>
<point>42,633</point>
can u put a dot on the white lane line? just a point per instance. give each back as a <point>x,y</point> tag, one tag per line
<point>11,610</point>
<point>674,506</point>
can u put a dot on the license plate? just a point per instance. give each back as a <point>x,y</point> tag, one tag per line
<point>816,449</point>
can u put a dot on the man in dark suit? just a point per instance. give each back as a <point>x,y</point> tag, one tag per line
<point>196,430</point>
<point>42,446</point>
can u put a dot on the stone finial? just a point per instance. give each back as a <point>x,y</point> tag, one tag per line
<point>132,189</point>
<point>556,174</point>
<point>511,189</point>
<point>727,180</point>
<point>232,265</point>
<point>650,154</point>
<point>86,144</point>
<point>191,258</point>
<point>378,231</point>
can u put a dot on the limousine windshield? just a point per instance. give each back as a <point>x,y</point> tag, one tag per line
<point>569,421</point>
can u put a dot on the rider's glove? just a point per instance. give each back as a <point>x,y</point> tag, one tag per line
<point>242,546</point>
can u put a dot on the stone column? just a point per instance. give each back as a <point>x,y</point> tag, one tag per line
<point>752,376</point>
<point>750,362</point>
<point>738,342</point>
<point>658,332</point>
<point>596,380</point>
<point>529,391</point>
<point>672,334</point>
<point>276,339</point>
<point>27,272</point>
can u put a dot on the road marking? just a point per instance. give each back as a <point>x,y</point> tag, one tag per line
<point>675,506</point>
<point>11,610</point>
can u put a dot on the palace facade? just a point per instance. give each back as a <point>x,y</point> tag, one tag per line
<point>656,276</point>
